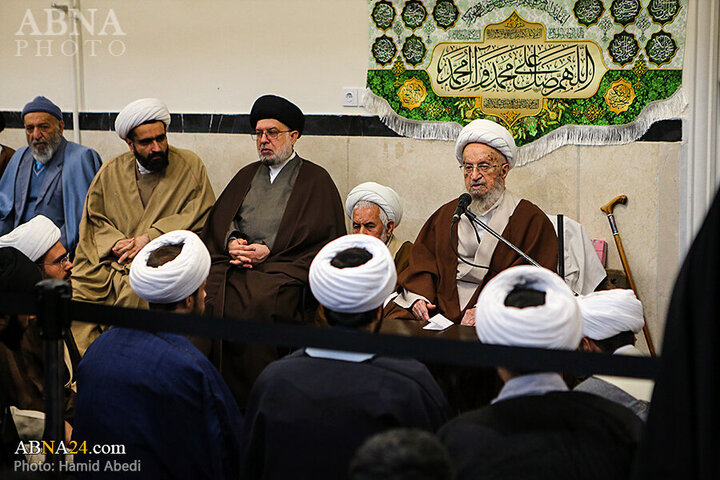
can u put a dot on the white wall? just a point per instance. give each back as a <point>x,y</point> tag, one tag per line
<point>217,56</point>
<point>212,56</point>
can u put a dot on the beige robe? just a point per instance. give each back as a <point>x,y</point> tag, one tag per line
<point>114,211</point>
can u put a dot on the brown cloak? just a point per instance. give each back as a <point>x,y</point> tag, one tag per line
<point>432,272</point>
<point>274,290</point>
<point>114,211</point>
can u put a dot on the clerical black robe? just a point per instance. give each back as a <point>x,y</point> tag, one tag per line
<point>559,435</point>
<point>307,416</point>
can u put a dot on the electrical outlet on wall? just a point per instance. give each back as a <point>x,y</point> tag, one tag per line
<point>351,97</point>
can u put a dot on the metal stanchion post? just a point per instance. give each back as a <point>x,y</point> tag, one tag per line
<point>54,321</point>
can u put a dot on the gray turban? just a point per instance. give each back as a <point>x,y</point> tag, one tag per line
<point>139,112</point>
<point>489,133</point>
<point>33,238</point>
<point>353,289</point>
<point>557,324</point>
<point>382,196</point>
<point>177,279</point>
<point>609,312</point>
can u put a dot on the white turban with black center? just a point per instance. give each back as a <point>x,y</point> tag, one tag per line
<point>556,324</point>
<point>353,289</point>
<point>489,133</point>
<point>382,196</point>
<point>141,111</point>
<point>33,238</point>
<point>609,312</point>
<point>177,279</point>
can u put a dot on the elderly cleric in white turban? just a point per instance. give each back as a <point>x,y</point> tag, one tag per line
<point>556,324</point>
<point>33,238</point>
<point>610,312</point>
<point>384,197</point>
<point>141,111</point>
<point>489,133</point>
<point>353,289</point>
<point>177,279</point>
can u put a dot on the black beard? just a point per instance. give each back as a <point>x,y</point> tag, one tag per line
<point>154,162</point>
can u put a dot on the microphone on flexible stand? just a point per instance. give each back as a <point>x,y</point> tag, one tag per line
<point>475,220</point>
<point>463,201</point>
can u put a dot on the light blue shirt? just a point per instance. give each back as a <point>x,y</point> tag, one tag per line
<point>532,384</point>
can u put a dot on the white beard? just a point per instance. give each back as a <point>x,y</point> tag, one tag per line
<point>481,204</point>
<point>45,153</point>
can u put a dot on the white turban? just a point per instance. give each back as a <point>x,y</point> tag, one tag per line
<point>33,238</point>
<point>139,112</point>
<point>609,312</point>
<point>353,289</point>
<point>382,196</point>
<point>557,324</point>
<point>177,279</point>
<point>489,133</point>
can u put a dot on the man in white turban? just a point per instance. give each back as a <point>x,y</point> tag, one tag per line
<point>154,391</point>
<point>611,319</point>
<point>536,428</point>
<point>150,190</point>
<point>323,404</point>
<point>435,280</point>
<point>377,210</point>
<point>39,240</point>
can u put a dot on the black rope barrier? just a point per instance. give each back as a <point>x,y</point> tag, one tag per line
<point>440,350</point>
<point>55,310</point>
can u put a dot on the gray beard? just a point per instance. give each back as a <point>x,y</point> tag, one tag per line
<point>44,154</point>
<point>279,157</point>
<point>384,237</point>
<point>481,204</point>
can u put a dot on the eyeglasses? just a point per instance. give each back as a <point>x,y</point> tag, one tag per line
<point>468,169</point>
<point>62,261</point>
<point>271,134</point>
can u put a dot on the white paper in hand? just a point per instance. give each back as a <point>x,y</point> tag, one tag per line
<point>438,322</point>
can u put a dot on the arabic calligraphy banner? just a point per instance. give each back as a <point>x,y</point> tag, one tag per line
<point>553,71</point>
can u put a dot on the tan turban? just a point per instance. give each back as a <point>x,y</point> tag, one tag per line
<point>139,112</point>
<point>489,133</point>
<point>382,196</point>
<point>177,279</point>
<point>353,289</point>
<point>557,324</point>
<point>33,238</point>
<point>609,312</point>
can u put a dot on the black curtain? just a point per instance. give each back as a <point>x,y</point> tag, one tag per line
<point>683,429</point>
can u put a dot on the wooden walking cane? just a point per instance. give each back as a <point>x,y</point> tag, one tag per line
<point>608,209</point>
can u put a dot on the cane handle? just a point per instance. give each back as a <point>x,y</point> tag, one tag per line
<point>608,209</point>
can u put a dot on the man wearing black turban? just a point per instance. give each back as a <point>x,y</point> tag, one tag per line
<point>262,234</point>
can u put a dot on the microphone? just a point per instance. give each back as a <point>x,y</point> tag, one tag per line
<point>464,200</point>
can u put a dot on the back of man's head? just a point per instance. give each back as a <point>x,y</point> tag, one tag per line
<point>352,257</point>
<point>351,277</point>
<point>170,269</point>
<point>611,318</point>
<point>157,258</point>
<point>528,306</point>
<point>402,454</point>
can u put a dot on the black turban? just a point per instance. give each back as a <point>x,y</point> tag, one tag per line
<point>278,108</point>
<point>18,273</point>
